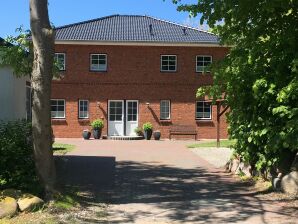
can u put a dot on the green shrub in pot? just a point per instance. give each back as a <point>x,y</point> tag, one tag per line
<point>148,128</point>
<point>97,126</point>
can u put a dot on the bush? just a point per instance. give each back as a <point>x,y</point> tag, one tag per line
<point>16,160</point>
<point>139,131</point>
<point>97,124</point>
<point>147,126</point>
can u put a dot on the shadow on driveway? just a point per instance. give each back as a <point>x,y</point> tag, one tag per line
<point>175,194</point>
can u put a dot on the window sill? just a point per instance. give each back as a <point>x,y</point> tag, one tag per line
<point>204,120</point>
<point>208,73</point>
<point>165,120</point>
<point>168,71</point>
<point>59,119</point>
<point>98,71</point>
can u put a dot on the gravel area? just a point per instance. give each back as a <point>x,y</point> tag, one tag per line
<point>217,157</point>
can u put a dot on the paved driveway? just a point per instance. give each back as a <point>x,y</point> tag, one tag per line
<point>162,182</point>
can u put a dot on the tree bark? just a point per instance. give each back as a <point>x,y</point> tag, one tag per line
<point>43,49</point>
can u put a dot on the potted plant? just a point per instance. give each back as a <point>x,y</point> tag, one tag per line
<point>97,126</point>
<point>147,127</point>
<point>86,134</point>
<point>139,131</point>
<point>156,135</point>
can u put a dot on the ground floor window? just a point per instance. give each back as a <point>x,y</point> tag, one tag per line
<point>165,109</point>
<point>203,110</point>
<point>58,108</point>
<point>83,109</point>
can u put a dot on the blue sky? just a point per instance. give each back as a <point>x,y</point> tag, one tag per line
<point>16,12</point>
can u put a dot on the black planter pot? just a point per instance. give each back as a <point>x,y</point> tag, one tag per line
<point>97,133</point>
<point>86,135</point>
<point>147,134</point>
<point>156,135</point>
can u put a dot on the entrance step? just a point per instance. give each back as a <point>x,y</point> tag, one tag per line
<point>125,137</point>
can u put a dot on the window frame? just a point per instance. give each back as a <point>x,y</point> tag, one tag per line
<point>160,112</point>
<point>200,55</point>
<point>79,109</point>
<point>64,65</point>
<point>196,107</point>
<point>168,55</point>
<point>56,111</point>
<point>98,70</point>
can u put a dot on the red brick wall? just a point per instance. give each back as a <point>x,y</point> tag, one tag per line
<point>134,73</point>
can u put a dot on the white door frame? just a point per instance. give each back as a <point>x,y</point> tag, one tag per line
<point>129,124</point>
<point>111,124</point>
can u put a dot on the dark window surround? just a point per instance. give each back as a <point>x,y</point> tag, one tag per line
<point>64,107</point>
<point>196,106</point>
<point>79,109</point>
<point>168,55</point>
<point>211,60</point>
<point>170,105</point>
<point>90,61</point>
<point>63,53</point>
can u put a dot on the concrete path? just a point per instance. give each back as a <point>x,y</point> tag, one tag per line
<point>162,182</point>
<point>218,157</point>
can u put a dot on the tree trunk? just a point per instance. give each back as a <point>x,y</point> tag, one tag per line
<point>43,48</point>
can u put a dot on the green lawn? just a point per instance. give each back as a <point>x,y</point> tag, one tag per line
<point>223,143</point>
<point>62,149</point>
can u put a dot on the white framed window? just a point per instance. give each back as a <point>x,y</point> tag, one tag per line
<point>168,63</point>
<point>60,60</point>
<point>57,108</point>
<point>203,110</point>
<point>98,62</point>
<point>83,109</point>
<point>165,109</point>
<point>203,63</point>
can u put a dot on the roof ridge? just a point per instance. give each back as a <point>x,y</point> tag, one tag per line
<point>178,24</point>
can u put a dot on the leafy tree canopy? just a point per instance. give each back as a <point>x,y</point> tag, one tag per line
<point>16,52</point>
<point>259,75</point>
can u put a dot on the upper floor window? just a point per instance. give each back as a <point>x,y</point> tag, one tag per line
<point>83,109</point>
<point>168,63</point>
<point>60,60</point>
<point>203,110</point>
<point>98,62</point>
<point>58,108</point>
<point>203,63</point>
<point>165,109</point>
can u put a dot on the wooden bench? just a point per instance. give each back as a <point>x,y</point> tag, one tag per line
<point>183,130</point>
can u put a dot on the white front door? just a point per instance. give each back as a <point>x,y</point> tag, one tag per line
<point>132,114</point>
<point>116,118</point>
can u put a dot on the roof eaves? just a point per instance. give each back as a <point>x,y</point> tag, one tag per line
<point>143,42</point>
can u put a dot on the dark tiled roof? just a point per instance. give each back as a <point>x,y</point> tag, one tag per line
<point>133,28</point>
<point>4,43</point>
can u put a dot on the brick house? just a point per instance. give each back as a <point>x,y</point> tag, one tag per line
<point>128,70</point>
